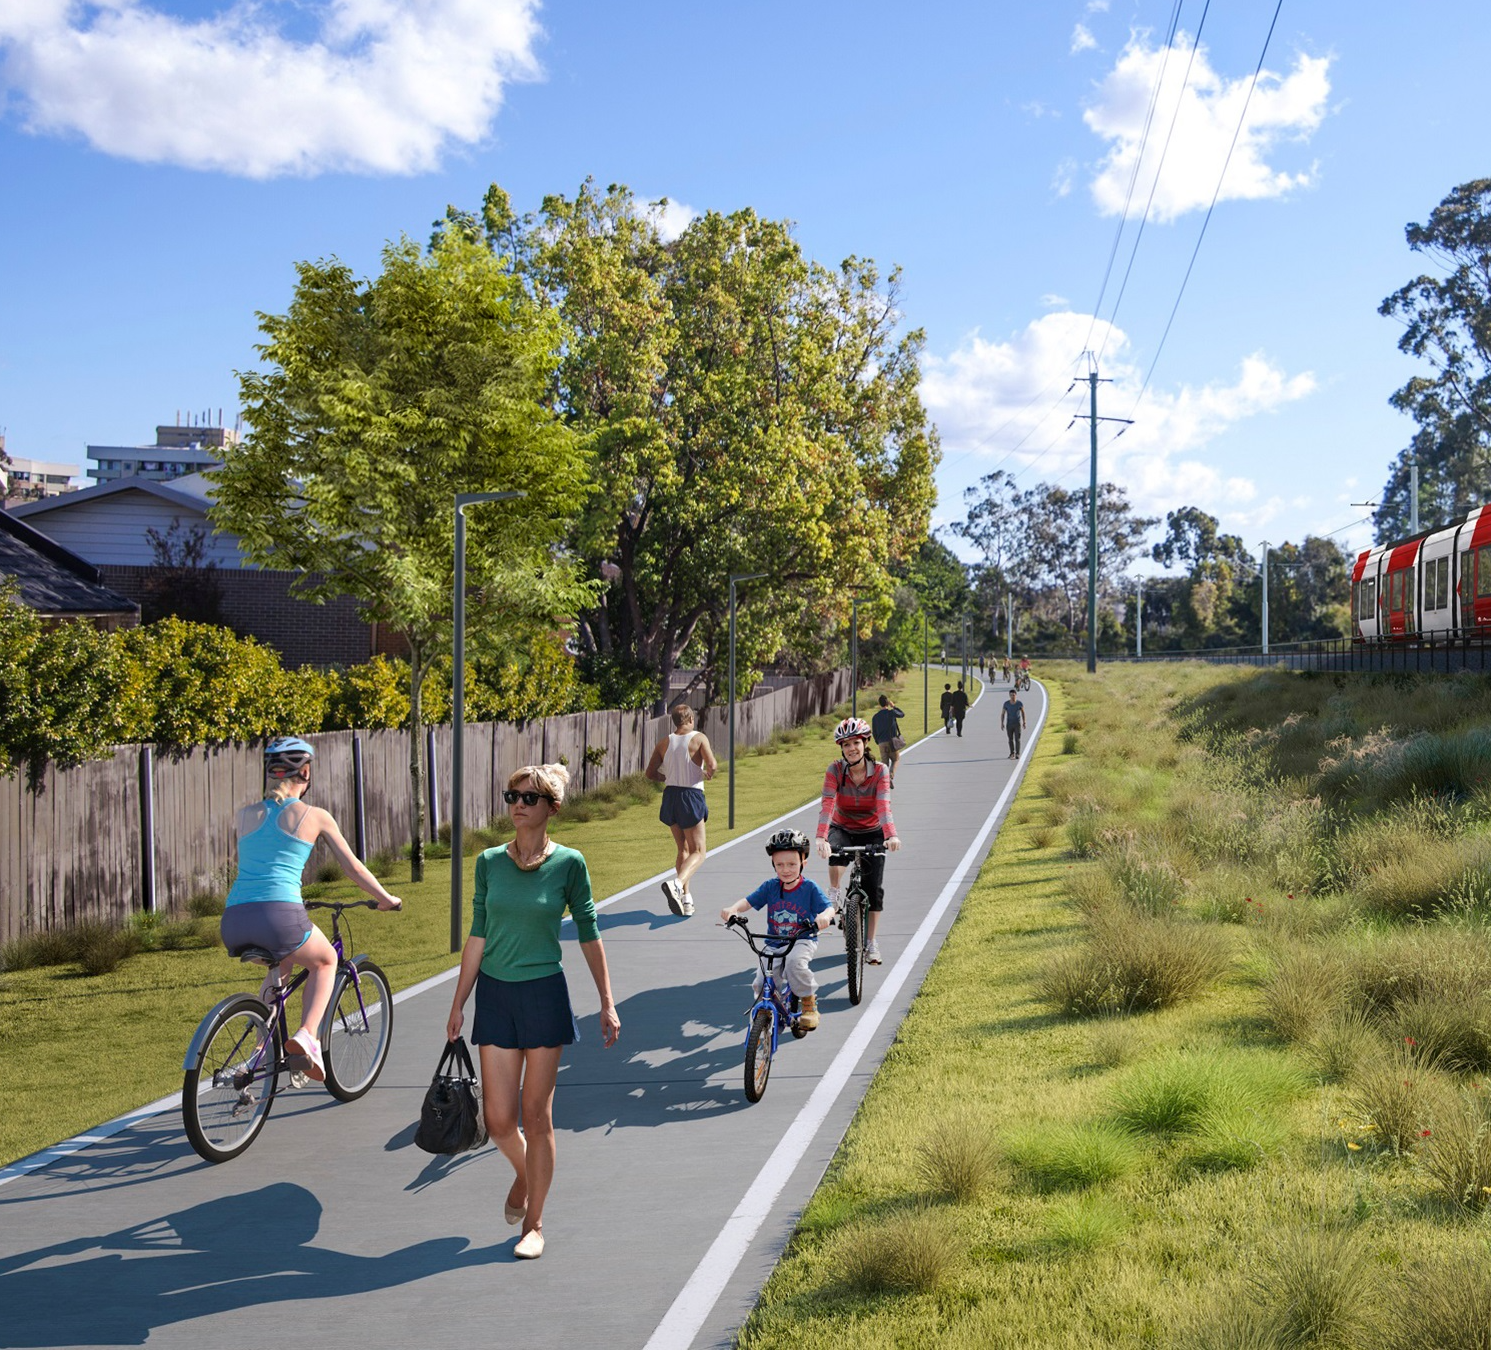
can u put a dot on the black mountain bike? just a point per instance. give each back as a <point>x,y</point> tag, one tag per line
<point>235,1060</point>
<point>855,917</point>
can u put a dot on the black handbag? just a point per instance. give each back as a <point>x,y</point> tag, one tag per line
<point>451,1120</point>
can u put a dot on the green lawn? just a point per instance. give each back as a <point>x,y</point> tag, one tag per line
<point>116,1041</point>
<point>1187,1176</point>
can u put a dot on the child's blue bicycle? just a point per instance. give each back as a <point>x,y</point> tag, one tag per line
<point>775,1008</point>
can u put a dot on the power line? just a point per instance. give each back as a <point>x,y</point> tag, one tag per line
<point>1221,178</point>
<point>1154,185</point>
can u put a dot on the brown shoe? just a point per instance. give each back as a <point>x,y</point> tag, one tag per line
<point>807,1018</point>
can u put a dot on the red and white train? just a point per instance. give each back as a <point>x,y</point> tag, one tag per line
<point>1436,584</point>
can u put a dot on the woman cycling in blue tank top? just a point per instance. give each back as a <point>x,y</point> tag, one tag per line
<point>264,907</point>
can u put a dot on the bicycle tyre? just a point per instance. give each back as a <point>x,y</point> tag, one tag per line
<point>758,1056</point>
<point>223,1119</point>
<point>854,944</point>
<point>355,1040</point>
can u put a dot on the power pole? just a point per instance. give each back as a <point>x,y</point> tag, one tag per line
<point>1413,495</point>
<point>1092,515</point>
<point>1263,572</point>
<point>1139,622</point>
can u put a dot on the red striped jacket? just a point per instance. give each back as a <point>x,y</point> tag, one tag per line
<point>856,806</point>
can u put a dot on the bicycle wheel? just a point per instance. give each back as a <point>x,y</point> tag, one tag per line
<point>227,1093</point>
<point>355,1035</point>
<point>854,943</point>
<point>758,1056</point>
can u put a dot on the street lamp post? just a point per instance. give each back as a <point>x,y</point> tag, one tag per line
<point>926,660</point>
<point>855,603</point>
<point>1139,622</point>
<point>1263,572</point>
<point>739,576</point>
<point>458,706</point>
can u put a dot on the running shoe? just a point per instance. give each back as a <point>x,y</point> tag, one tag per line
<point>304,1044</point>
<point>688,904</point>
<point>674,893</point>
<point>872,953</point>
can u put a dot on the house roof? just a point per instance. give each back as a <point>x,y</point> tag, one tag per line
<point>190,492</point>
<point>53,580</point>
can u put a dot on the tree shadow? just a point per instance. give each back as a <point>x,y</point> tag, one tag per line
<point>239,1251</point>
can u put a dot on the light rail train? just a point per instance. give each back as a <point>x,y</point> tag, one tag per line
<point>1435,585</point>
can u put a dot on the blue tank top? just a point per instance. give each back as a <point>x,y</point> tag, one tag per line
<point>270,862</point>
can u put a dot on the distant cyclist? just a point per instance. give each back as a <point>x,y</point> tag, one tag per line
<point>856,811</point>
<point>264,907</point>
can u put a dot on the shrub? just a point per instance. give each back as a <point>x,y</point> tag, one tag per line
<point>100,947</point>
<point>1073,1157</point>
<point>957,1157</point>
<point>1452,1032</point>
<point>1042,836</point>
<point>910,1253</point>
<point>1082,832</point>
<point>34,950</point>
<point>1131,962</point>
<point>1445,1305</point>
<point>383,863</point>
<point>1316,1288</point>
<point>1305,989</point>
<point>328,871</point>
<point>1340,1045</point>
<point>1455,1154</point>
<point>1069,743</point>
<point>1146,879</point>
<point>1080,1223</point>
<point>1396,1092</point>
<point>205,905</point>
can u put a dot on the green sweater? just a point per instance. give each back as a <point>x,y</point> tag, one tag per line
<point>518,913</point>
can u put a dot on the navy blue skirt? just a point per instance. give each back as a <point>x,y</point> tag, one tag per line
<point>523,1014</point>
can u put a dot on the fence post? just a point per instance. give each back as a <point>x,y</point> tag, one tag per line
<point>359,799</point>
<point>147,828</point>
<point>430,786</point>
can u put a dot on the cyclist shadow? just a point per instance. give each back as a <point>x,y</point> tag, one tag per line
<point>240,1251</point>
<point>680,1055</point>
<point>634,918</point>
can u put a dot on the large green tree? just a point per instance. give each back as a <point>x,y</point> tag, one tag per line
<point>749,411</point>
<point>1211,606</point>
<point>382,399</point>
<point>1446,320</point>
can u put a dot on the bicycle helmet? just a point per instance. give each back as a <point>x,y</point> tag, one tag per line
<point>287,755</point>
<point>788,841</point>
<point>850,728</point>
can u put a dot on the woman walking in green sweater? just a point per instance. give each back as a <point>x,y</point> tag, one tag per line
<point>523,1016</point>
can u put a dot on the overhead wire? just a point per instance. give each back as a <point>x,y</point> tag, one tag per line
<point>1221,178</point>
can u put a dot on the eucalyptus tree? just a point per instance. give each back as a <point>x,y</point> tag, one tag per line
<point>382,399</point>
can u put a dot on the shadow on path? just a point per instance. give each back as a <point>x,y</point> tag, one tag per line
<point>250,1251</point>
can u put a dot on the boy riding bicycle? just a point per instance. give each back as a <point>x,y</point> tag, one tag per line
<point>792,903</point>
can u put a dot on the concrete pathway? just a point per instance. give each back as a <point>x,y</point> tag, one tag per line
<point>673,1196</point>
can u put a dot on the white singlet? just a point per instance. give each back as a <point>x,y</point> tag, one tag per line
<point>678,769</point>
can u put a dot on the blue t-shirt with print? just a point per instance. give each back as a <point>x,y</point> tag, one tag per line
<point>788,911</point>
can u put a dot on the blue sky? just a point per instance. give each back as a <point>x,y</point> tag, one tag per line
<point>167,164</point>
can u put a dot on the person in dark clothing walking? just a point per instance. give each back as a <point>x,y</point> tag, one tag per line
<point>886,729</point>
<point>960,706</point>
<point>947,709</point>
<point>1012,720</point>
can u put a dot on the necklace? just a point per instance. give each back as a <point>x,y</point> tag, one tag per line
<point>533,863</point>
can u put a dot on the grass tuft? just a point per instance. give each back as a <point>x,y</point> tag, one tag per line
<point>1317,1288</point>
<point>1455,1154</point>
<point>1397,1092</point>
<point>911,1253</point>
<point>1082,1223</point>
<point>957,1157</point>
<point>1445,1305</point>
<point>1065,1157</point>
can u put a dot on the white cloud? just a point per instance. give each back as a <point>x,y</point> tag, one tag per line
<point>672,218</point>
<point>1082,39</point>
<point>1097,6</point>
<point>1053,301</point>
<point>383,87</point>
<point>1037,110</point>
<point>1008,405</point>
<point>1282,108</point>
<point>1064,177</point>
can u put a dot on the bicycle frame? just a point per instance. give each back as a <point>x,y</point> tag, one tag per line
<point>778,999</point>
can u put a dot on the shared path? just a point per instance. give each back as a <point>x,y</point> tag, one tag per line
<point>673,1196</point>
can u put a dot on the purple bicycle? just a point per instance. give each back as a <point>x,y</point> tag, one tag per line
<point>235,1060</point>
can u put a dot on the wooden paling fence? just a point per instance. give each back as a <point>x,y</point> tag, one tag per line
<point>146,831</point>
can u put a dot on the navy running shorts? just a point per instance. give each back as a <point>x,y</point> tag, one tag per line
<point>684,807</point>
<point>523,1014</point>
<point>280,926</point>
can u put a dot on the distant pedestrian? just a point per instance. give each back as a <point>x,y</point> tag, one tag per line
<point>1012,720</point>
<point>947,709</point>
<point>960,706</point>
<point>1006,670</point>
<point>681,761</point>
<point>887,732</point>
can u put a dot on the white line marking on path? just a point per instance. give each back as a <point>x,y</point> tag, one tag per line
<point>35,1161</point>
<point>696,1300</point>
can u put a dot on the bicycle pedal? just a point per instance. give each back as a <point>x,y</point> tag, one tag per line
<point>299,1078</point>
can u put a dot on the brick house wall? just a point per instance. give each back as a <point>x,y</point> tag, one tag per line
<point>258,604</point>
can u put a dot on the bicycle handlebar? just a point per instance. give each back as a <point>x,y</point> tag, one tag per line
<point>870,850</point>
<point>738,922</point>
<point>340,905</point>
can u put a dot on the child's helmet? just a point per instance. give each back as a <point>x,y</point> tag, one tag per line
<point>788,841</point>
<point>285,756</point>
<point>850,728</point>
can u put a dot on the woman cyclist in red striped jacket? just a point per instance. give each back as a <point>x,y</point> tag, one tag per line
<point>856,811</point>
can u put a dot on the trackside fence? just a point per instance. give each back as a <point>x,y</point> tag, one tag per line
<point>145,831</point>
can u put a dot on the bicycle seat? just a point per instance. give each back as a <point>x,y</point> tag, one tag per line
<point>259,956</point>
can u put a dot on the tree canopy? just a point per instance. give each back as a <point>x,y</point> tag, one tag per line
<point>384,398</point>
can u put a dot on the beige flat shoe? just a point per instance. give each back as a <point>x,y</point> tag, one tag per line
<point>530,1246</point>
<point>514,1214</point>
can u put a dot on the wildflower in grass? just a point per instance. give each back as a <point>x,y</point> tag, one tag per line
<point>1408,1040</point>
<point>1424,1134</point>
<point>1353,1146</point>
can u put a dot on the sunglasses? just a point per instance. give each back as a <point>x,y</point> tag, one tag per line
<point>527,798</point>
